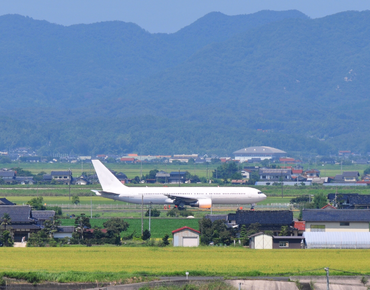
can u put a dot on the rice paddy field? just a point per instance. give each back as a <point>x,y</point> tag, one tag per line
<point>132,170</point>
<point>153,261</point>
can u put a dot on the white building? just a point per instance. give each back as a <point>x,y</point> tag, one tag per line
<point>338,220</point>
<point>258,153</point>
<point>185,237</point>
<point>260,241</point>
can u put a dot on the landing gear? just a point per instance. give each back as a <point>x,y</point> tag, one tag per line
<point>252,206</point>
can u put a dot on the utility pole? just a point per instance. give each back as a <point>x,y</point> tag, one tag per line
<point>327,278</point>
<point>91,204</point>
<point>142,214</point>
<point>69,185</point>
<point>150,214</point>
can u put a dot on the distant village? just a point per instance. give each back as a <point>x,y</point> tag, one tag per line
<point>271,165</point>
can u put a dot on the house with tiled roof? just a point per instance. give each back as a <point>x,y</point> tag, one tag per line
<point>271,220</point>
<point>22,222</point>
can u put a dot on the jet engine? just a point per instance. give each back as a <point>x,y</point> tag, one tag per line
<point>203,203</point>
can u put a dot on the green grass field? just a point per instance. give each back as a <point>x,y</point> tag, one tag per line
<point>159,226</point>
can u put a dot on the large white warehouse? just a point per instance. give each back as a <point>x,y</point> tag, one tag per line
<point>258,152</point>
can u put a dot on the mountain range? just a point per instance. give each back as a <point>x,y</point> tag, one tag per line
<point>222,83</point>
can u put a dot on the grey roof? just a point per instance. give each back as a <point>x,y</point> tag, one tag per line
<point>25,227</point>
<point>337,240</point>
<point>216,217</point>
<point>272,217</point>
<point>340,215</point>
<point>17,213</point>
<point>66,229</point>
<point>351,174</point>
<point>274,171</point>
<point>8,173</point>
<point>162,174</point>
<point>288,237</point>
<point>260,150</point>
<point>24,178</point>
<point>4,201</point>
<point>61,173</point>
<point>47,177</point>
<point>43,214</point>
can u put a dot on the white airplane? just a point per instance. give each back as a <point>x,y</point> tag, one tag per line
<point>202,197</point>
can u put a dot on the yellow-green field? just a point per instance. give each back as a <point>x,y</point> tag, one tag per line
<point>157,261</point>
<point>132,170</point>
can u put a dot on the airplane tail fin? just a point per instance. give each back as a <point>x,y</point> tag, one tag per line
<point>107,180</point>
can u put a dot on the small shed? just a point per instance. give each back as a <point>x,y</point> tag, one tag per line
<point>260,241</point>
<point>64,232</point>
<point>185,237</point>
<point>288,242</point>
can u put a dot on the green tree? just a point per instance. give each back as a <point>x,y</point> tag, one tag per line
<point>38,239</point>
<point>37,203</point>
<point>154,212</point>
<point>243,234</point>
<point>367,171</point>
<point>227,171</point>
<point>253,177</point>
<point>6,220</point>
<point>75,199</point>
<point>115,226</point>
<point>22,172</point>
<point>165,240</point>
<point>39,176</point>
<point>320,200</point>
<point>146,235</point>
<point>152,174</point>
<point>51,227</point>
<point>81,223</point>
<point>284,231</point>
<point>6,239</point>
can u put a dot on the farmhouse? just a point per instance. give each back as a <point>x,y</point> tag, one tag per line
<point>185,237</point>
<point>341,220</point>
<point>22,222</point>
<point>64,177</point>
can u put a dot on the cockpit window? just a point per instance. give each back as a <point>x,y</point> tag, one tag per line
<point>260,192</point>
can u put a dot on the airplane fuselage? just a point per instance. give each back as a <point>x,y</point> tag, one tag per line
<point>218,195</point>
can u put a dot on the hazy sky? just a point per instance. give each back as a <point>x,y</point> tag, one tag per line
<point>164,15</point>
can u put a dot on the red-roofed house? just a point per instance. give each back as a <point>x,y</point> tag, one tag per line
<point>328,206</point>
<point>185,237</point>
<point>299,227</point>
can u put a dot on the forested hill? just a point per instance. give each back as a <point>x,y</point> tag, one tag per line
<point>219,84</point>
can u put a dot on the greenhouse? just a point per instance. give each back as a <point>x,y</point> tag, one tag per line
<point>337,240</point>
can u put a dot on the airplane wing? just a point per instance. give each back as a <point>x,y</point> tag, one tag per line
<point>181,201</point>
<point>102,192</point>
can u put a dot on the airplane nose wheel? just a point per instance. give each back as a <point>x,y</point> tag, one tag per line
<point>252,206</point>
